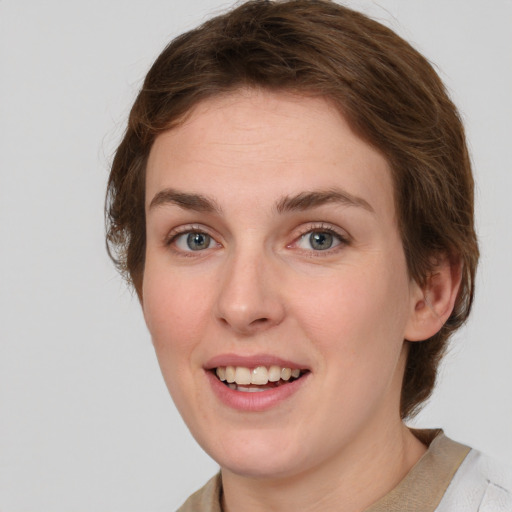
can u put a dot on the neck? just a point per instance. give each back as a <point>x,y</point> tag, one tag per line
<point>350,481</point>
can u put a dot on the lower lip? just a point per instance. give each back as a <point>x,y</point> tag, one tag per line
<point>257,401</point>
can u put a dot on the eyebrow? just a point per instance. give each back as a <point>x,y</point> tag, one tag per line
<point>308,200</point>
<point>299,202</point>
<point>184,200</point>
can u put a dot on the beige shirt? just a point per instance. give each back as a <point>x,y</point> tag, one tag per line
<point>420,491</point>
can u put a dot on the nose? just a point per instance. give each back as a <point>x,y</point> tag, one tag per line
<point>249,299</point>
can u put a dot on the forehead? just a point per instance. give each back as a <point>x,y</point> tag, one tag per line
<point>267,144</point>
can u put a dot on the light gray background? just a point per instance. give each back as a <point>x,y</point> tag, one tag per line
<point>85,420</point>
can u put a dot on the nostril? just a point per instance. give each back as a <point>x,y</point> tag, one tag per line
<point>260,321</point>
<point>247,327</point>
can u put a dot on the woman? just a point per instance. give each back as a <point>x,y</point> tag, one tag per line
<point>293,203</point>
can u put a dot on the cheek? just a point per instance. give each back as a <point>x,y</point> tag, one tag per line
<point>175,317</point>
<point>361,314</point>
<point>174,313</point>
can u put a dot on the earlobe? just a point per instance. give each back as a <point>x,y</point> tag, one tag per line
<point>432,304</point>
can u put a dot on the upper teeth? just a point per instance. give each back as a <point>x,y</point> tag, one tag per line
<point>260,375</point>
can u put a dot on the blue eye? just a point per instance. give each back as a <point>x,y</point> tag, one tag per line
<point>194,241</point>
<point>319,240</point>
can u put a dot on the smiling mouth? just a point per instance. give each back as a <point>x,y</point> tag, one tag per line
<point>261,378</point>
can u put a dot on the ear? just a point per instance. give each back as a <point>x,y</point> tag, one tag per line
<point>432,303</point>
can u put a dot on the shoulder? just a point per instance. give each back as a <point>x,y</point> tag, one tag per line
<point>481,484</point>
<point>206,499</point>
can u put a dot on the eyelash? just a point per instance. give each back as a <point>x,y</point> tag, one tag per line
<point>173,236</point>
<point>343,239</point>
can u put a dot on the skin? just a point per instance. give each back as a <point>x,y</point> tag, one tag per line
<point>260,288</point>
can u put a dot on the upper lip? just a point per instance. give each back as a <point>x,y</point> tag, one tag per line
<point>252,361</point>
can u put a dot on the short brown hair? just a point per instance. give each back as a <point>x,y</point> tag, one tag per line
<point>390,95</point>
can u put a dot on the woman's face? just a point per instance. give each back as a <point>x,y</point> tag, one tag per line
<point>272,243</point>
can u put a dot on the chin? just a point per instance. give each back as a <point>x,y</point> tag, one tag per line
<point>255,455</point>
<point>258,468</point>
